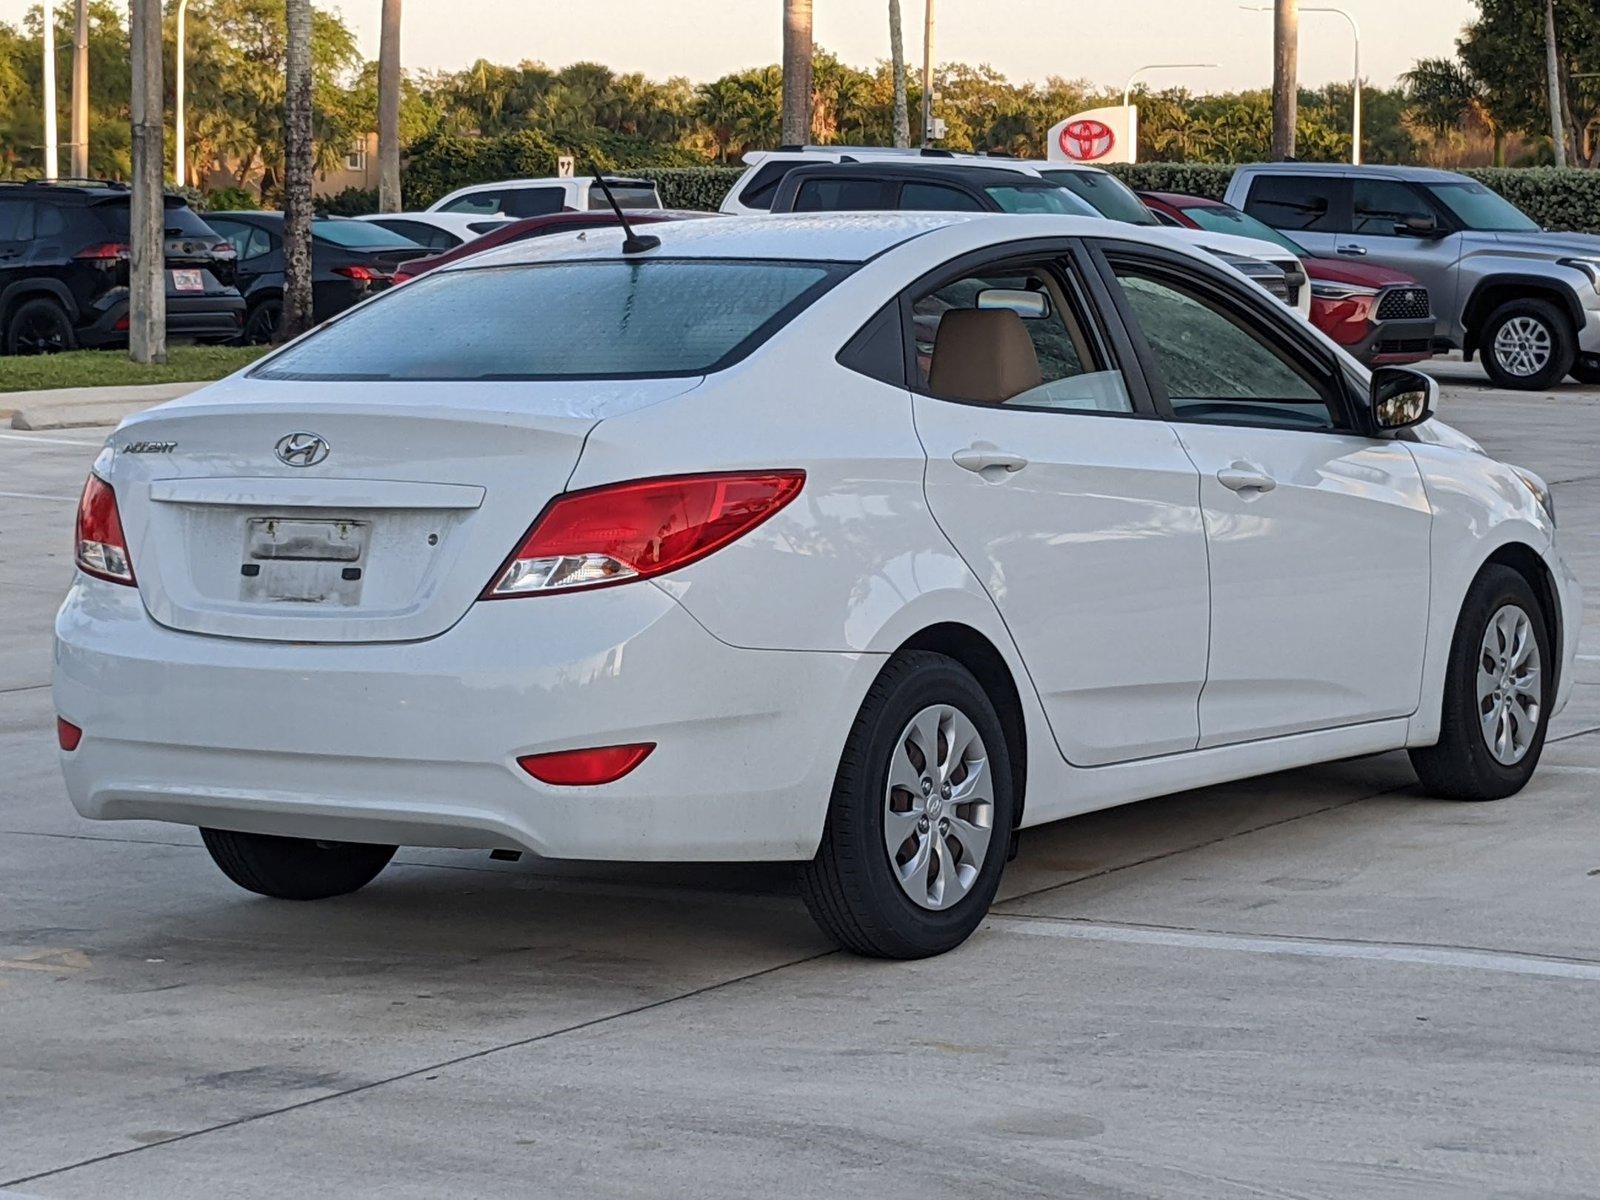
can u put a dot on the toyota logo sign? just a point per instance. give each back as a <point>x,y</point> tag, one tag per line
<point>1085,141</point>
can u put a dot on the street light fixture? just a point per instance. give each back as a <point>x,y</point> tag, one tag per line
<point>1127,90</point>
<point>1355,82</point>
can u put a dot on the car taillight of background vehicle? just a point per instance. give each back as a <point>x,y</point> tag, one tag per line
<point>104,254</point>
<point>363,274</point>
<point>101,550</point>
<point>400,276</point>
<point>626,531</point>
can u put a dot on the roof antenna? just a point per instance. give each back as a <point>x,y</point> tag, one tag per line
<point>633,243</point>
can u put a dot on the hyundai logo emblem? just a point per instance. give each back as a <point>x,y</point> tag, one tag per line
<point>302,449</point>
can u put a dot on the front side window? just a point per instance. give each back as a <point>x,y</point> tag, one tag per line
<point>16,220</point>
<point>1476,207</point>
<point>1014,337</point>
<point>1215,365</point>
<point>602,319</point>
<point>1315,204</point>
<point>1381,204</point>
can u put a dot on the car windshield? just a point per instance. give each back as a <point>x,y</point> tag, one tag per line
<point>1106,194</point>
<point>360,235</point>
<point>1476,207</point>
<point>1223,219</point>
<point>1038,199</point>
<point>605,319</point>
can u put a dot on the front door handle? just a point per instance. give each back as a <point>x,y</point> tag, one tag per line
<point>1353,251</point>
<point>1245,477</point>
<point>991,464</point>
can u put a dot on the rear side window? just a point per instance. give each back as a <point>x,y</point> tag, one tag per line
<point>1316,204</point>
<point>763,185</point>
<point>533,202</point>
<point>654,318</point>
<point>430,236</point>
<point>628,196</point>
<point>838,195</point>
<point>936,197</point>
<point>16,220</point>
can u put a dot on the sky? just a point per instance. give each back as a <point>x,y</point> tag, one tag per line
<point>1103,41</point>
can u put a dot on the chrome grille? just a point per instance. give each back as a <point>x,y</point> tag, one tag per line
<point>1404,304</point>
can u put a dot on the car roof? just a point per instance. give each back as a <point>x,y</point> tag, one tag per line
<point>979,174</point>
<point>35,189</point>
<point>442,219</point>
<point>1349,170</point>
<point>548,180</point>
<point>813,237</point>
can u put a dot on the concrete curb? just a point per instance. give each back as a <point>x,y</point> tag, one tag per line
<point>71,408</point>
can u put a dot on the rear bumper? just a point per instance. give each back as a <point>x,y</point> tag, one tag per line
<point>187,316</point>
<point>416,743</point>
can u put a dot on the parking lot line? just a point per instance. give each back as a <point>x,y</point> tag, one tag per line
<point>28,437</point>
<point>37,496</point>
<point>1504,961</point>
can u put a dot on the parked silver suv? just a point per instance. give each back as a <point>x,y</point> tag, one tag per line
<point>1526,299</point>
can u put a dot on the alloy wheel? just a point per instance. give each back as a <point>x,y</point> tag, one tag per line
<point>1509,685</point>
<point>40,333</point>
<point>938,808</point>
<point>1523,346</point>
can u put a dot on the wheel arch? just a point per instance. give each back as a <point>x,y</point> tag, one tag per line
<point>1530,564</point>
<point>37,288</point>
<point>1496,290</point>
<point>974,651</point>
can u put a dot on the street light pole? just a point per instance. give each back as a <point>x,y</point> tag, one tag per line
<point>927,74</point>
<point>80,91</point>
<point>1127,88</point>
<point>1355,81</point>
<point>51,165</point>
<point>179,168</point>
<point>147,293</point>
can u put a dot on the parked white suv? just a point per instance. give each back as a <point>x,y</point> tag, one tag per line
<point>860,541</point>
<point>536,197</point>
<point>1100,191</point>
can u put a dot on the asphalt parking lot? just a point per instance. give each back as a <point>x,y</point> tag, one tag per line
<point>1317,984</point>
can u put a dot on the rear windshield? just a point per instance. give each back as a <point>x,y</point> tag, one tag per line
<point>604,319</point>
<point>1222,219</point>
<point>635,195</point>
<point>1107,194</point>
<point>360,235</point>
<point>179,220</point>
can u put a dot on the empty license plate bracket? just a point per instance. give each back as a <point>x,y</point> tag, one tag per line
<point>304,560</point>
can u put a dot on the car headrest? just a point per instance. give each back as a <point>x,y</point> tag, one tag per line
<point>982,355</point>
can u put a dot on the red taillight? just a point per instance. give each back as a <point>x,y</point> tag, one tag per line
<point>626,531</point>
<point>401,276</point>
<point>68,734</point>
<point>102,551</point>
<point>104,253</point>
<point>583,768</point>
<point>361,274</point>
<point>120,324</point>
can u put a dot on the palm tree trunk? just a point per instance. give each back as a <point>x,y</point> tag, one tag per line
<point>389,108</point>
<point>147,276</point>
<point>897,58</point>
<point>1552,66</point>
<point>796,72</point>
<point>297,172</point>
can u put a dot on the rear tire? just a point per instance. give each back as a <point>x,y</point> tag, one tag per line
<point>1528,345</point>
<point>288,868</point>
<point>928,892</point>
<point>40,326</point>
<point>1464,764</point>
<point>261,322</point>
<point>1587,369</point>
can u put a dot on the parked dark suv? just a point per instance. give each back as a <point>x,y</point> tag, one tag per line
<point>64,270</point>
<point>350,260</point>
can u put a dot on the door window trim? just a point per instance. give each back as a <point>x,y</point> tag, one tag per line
<point>1080,277</point>
<point>1264,314</point>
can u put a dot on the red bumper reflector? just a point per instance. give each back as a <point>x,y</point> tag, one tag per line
<point>580,768</point>
<point>68,734</point>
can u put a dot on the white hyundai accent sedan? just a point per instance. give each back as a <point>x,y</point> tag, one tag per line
<point>856,541</point>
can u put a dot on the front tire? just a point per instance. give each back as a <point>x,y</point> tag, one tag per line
<point>920,818</point>
<point>1528,345</point>
<point>1497,694</point>
<point>287,868</point>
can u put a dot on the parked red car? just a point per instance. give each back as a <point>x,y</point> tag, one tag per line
<point>1378,314</point>
<point>530,227</point>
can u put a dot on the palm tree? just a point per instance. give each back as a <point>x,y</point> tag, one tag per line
<point>796,72</point>
<point>897,57</point>
<point>1552,58</point>
<point>389,108</point>
<point>297,168</point>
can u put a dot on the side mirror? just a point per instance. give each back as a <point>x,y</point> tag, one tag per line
<point>1401,398</point>
<point>1418,227</point>
<point>1030,306</point>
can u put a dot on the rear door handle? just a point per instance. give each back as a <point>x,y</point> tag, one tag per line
<point>1353,251</point>
<point>991,464</point>
<point>1245,477</point>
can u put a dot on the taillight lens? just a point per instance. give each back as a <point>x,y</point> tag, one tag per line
<point>362,274</point>
<point>585,768</point>
<point>104,253</point>
<point>627,531</point>
<point>102,551</point>
<point>68,735</point>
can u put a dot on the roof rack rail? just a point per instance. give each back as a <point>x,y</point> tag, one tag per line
<point>69,181</point>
